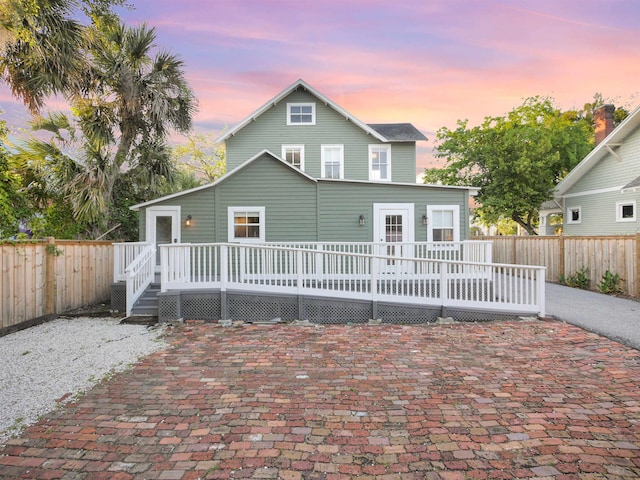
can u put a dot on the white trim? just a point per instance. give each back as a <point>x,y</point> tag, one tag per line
<point>593,192</point>
<point>569,214</point>
<point>619,206</point>
<point>301,104</point>
<point>284,149</point>
<point>231,211</point>
<point>456,220</point>
<point>380,147</point>
<point>151,214</point>
<point>163,211</point>
<point>323,160</point>
<point>404,209</point>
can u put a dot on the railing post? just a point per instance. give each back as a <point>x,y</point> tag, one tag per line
<point>224,267</point>
<point>164,268</point>
<point>374,276</point>
<point>540,280</point>
<point>299,272</point>
<point>130,292</point>
<point>444,284</point>
<point>488,252</point>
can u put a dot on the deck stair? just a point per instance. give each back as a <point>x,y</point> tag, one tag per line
<point>147,304</point>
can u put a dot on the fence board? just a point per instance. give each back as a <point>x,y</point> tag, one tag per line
<point>567,255</point>
<point>32,284</point>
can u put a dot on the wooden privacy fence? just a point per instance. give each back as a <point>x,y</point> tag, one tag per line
<point>565,255</point>
<point>39,278</point>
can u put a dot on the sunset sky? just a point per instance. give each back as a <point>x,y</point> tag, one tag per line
<point>428,62</point>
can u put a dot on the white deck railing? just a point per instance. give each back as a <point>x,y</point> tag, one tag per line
<point>123,255</point>
<point>139,275</point>
<point>395,275</point>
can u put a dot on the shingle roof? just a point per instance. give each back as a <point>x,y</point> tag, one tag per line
<point>398,132</point>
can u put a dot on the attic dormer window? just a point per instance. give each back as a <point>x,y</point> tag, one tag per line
<point>301,113</point>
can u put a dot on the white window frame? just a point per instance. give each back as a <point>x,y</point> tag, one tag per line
<point>387,148</point>
<point>619,206</point>
<point>570,211</point>
<point>323,149</point>
<point>456,221</point>
<point>313,113</point>
<point>231,212</point>
<point>294,147</point>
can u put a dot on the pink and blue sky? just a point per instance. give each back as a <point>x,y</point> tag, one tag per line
<point>428,62</point>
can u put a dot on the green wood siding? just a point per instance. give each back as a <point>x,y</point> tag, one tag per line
<point>598,192</point>
<point>289,200</point>
<point>298,208</point>
<point>270,131</point>
<point>341,203</point>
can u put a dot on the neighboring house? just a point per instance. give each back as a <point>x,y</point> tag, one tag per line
<point>301,168</point>
<point>601,195</point>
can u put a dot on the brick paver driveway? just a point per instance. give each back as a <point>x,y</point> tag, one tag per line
<point>497,400</point>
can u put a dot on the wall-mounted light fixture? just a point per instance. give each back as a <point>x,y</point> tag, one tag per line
<point>361,219</point>
<point>187,222</point>
<point>425,219</point>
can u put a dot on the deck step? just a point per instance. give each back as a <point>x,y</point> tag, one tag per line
<point>147,304</point>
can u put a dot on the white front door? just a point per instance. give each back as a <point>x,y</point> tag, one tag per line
<point>393,224</point>
<point>162,227</point>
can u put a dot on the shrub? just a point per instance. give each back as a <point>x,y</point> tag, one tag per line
<point>576,280</point>
<point>610,283</point>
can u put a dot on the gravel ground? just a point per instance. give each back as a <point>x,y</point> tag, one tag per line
<point>45,366</point>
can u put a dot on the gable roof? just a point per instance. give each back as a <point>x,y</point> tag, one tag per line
<point>401,130</point>
<point>223,178</point>
<point>614,139</point>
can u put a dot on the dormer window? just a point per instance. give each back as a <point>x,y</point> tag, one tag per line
<point>301,113</point>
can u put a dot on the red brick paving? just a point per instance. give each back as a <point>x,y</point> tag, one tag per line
<point>465,401</point>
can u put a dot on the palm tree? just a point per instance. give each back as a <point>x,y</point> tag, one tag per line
<point>121,123</point>
<point>43,46</point>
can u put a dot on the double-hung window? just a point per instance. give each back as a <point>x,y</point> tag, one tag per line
<point>301,113</point>
<point>246,224</point>
<point>332,159</point>
<point>294,154</point>
<point>626,211</point>
<point>443,223</point>
<point>380,162</point>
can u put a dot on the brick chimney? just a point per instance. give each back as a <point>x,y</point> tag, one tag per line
<point>603,121</point>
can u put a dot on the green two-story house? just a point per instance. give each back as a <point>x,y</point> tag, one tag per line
<point>303,169</point>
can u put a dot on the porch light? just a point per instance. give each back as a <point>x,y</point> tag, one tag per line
<point>425,219</point>
<point>187,222</point>
<point>361,219</point>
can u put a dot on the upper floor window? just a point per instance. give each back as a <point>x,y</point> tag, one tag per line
<point>444,223</point>
<point>332,157</point>
<point>380,162</point>
<point>301,113</point>
<point>626,211</point>
<point>294,154</point>
<point>246,224</point>
<point>574,215</point>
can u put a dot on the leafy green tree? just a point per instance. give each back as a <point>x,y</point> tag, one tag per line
<point>14,204</point>
<point>515,160</point>
<point>201,156</point>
